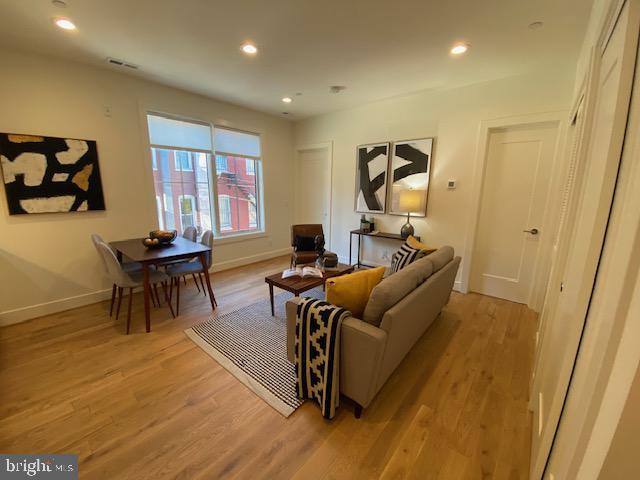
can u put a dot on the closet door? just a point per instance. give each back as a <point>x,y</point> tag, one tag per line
<point>588,223</point>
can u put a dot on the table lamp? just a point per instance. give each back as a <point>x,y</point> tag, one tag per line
<point>410,201</point>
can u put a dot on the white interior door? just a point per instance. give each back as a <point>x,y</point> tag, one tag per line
<point>582,242</point>
<point>313,187</point>
<point>514,196</point>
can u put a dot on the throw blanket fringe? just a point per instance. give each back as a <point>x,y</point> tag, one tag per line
<point>317,353</point>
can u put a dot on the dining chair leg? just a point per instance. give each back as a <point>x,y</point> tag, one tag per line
<point>204,290</point>
<point>185,280</point>
<point>167,298</point>
<point>170,289</point>
<point>177,296</point>
<point>113,299</point>
<point>119,302</point>
<point>129,310</point>
<point>155,290</point>
<point>195,280</point>
<point>153,300</point>
<point>215,302</point>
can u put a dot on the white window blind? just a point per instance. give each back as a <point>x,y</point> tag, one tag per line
<point>177,133</point>
<point>236,143</point>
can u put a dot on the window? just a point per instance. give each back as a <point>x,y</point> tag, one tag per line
<point>238,180</point>
<point>169,219</point>
<point>252,212</point>
<point>187,211</point>
<point>192,190</point>
<point>183,161</point>
<point>221,164</point>
<point>182,153</point>
<point>160,213</point>
<point>224,205</point>
<point>250,167</point>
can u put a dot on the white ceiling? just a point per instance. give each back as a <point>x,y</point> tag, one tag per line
<point>377,48</point>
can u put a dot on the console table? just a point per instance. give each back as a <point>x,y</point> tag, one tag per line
<point>361,233</point>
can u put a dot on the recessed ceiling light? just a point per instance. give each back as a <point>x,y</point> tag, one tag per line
<point>65,24</point>
<point>287,100</point>
<point>59,3</point>
<point>536,25</point>
<point>249,48</point>
<point>459,48</point>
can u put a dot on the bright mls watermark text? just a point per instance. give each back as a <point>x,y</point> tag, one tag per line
<point>39,466</point>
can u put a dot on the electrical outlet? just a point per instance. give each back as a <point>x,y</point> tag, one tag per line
<point>106,110</point>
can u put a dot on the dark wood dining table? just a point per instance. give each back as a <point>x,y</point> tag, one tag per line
<point>180,249</point>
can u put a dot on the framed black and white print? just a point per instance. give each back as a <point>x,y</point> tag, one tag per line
<point>410,169</point>
<point>372,164</point>
<point>50,174</point>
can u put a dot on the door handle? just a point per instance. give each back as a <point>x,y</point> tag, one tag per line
<point>533,231</point>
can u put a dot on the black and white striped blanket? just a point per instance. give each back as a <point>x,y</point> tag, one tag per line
<point>317,353</point>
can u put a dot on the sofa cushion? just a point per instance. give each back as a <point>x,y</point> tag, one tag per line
<point>423,267</point>
<point>352,291</point>
<point>389,292</point>
<point>440,257</point>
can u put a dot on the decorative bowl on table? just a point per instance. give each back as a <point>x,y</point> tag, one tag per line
<point>160,238</point>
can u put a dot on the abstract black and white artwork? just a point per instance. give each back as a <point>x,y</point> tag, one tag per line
<point>49,174</point>
<point>371,177</point>
<point>410,167</point>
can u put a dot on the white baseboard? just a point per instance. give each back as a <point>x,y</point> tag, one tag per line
<point>239,262</point>
<point>18,315</point>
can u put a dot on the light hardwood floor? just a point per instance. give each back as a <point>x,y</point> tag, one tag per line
<point>156,406</point>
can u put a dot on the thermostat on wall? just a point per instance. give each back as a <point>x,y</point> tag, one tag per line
<point>451,184</point>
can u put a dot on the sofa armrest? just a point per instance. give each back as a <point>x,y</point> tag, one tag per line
<point>361,350</point>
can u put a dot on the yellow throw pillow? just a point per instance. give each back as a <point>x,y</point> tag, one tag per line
<point>352,291</point>
<point>415,244</point>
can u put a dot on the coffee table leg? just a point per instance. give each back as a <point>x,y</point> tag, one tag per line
<point>273,313</point>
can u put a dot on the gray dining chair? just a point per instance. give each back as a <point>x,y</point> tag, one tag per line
<point>193,267</point>
<point>126,266</point>
<point>191,234</point>
<point>123,279</point>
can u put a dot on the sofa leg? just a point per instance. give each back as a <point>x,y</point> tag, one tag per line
<point>357,411</point>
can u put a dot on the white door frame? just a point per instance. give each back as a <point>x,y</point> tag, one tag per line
<point>317,146</point>
<point>558,118</point>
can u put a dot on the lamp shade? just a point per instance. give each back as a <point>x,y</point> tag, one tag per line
<point>410,200</point>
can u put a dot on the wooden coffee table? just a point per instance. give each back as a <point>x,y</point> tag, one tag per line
<point>297,285</point>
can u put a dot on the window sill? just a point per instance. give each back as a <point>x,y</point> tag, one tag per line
<point>240,237</point>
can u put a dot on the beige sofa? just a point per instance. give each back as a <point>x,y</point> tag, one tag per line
<point>398,312</point>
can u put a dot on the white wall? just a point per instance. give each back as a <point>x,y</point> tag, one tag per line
<point>47,261</point>
<point>453,117</point>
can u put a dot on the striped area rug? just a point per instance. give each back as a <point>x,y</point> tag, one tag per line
<point>252,346</point>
